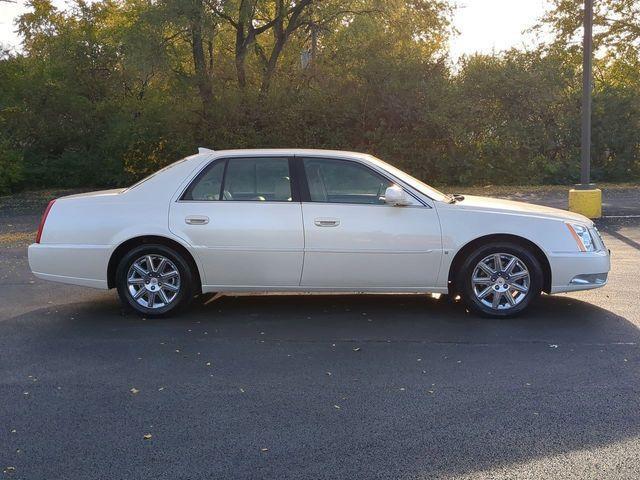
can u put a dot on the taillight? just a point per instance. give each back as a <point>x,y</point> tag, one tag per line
<point>44,219</point>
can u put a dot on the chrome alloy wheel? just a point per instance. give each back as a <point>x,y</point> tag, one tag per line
<point>153,281</point>
<point>500,281</point>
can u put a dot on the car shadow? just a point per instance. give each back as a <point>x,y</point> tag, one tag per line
<point>613,227</point>
<point>357,385</point>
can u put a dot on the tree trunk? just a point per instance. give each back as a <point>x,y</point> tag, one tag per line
<point>244,36</point>
<point>241,54</point>
<point>270,68</point>
<point>203,80</point>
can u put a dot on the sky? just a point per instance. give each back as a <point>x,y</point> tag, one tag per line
<point>485,26</point>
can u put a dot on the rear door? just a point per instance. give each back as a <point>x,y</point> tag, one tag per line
<point>354,240</point>
<point>243,218</point>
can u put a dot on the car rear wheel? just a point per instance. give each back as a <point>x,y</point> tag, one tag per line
<point>500,280</point>
<point>154,280</point>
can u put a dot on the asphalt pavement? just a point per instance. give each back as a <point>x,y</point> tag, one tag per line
<point>318,386</point>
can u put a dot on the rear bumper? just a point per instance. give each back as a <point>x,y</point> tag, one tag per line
<point>571,272</point>
<point>84,265</point>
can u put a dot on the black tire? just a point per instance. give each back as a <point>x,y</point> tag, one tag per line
<point>465,286</point>
<point>184,282</point>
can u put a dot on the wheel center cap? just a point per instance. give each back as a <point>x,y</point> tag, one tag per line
<point>152,285</point>
<point>501,285</point>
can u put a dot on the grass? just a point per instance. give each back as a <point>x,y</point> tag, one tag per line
<point>17,239</point>
<point>33,202</point>
<point>500,190</point>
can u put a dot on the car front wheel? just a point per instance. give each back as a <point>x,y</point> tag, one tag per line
<point>154,280</point>
<point>500,280</point>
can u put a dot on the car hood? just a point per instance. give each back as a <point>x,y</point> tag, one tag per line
<point>497,205</point>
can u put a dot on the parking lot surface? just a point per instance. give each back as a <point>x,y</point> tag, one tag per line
<point>318,386</point>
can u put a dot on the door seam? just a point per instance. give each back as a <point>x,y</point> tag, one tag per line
<point>304,245</point>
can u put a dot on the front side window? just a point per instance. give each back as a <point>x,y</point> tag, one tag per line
<point>340,181</point>
<point>243,179</point>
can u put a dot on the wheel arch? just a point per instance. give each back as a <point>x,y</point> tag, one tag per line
<point>121,250</point>
<point>460,256</point>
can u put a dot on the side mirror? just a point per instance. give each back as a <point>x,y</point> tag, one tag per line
<point>396,197</point>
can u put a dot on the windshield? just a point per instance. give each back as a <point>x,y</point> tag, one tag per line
<point>412,181</point>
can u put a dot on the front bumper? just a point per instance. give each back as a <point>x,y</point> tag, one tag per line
<point>571,272</point>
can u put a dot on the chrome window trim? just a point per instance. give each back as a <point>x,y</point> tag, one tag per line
<point>408,189</point>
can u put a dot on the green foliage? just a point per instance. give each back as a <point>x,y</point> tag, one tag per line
<point>107,92</point>
<point>11,168</point>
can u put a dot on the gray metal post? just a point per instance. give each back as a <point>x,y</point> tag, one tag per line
<point>587,87</point>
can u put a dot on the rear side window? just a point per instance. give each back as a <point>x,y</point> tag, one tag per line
<point>258,179</point>
<point>243,179</point>
<point>340,181</point>
<point>208,185</point>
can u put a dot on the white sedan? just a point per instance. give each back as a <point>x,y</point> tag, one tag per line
<point>310,220</point>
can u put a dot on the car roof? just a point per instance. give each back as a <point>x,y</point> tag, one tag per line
<point>253,152</point>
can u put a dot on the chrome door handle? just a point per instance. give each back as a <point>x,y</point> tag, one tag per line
<point>327,222</point>
<point>196,220</point>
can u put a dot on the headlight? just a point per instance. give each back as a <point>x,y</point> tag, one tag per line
<point>582,237</point>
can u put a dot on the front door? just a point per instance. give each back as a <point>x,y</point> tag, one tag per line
<point>354,240</point>
<point>241,217</point>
